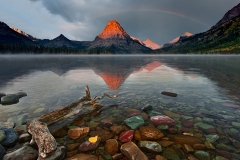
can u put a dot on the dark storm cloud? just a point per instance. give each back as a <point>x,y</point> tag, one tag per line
<point>158,20</point>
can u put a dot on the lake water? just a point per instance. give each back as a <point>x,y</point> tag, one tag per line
<point>208,87</point>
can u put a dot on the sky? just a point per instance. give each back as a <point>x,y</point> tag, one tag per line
<point>157,20</point>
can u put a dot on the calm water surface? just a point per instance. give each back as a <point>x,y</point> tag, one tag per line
<point>208,87</point>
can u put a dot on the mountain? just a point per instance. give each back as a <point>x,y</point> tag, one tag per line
<point>150,44</point>
<point>9,36</point>
<point>224,38</point>
<point>234,12</point>
<point>24,33</point>
<point>116,38</point>
<point>138,40</point>
<point>175,40</point>
<point>59,42</point>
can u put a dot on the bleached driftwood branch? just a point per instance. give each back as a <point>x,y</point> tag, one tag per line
<point>38,127</point>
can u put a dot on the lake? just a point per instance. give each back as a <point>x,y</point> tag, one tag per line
<point>207,87</point>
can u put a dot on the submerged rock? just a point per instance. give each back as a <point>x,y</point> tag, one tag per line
<point>150,146</point>
<point>126,136</point>
<point>134,122</point>
<point>75,133</point>
<point>2,151</point>
<point>132,152</point>
<point>9,99</point>
<point>6,124</point>
<point>25,152</point>
<point>212,137</point>
<point>11,137</point>
<point>202,155</point>
<point>2,95</point>
<point>21,94</point>
<point>160,120</point>
<point>88,146</point>
<point>150,133</point>
<point>182,139</point>
<point>2,135</point>
<point>171,94</point>
<point>170,153</point>
<point>206,127</point>
<point>83,156</point>
<point>18,120</point>
<point>111,146</point>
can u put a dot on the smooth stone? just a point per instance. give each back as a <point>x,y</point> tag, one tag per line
<point>117,129</point>
<point>107,122</point>
<point>26,153</point>
<point>163,127</point>
<point>83,156</point>
<point>104,155</point>
<point>76,133</point>
<point>208,120</point>
<point>9,99</point>
<point>2,151</point>
<point>73,146</point>
<point>21,94</point>
<point>219,158</point>
<point>150,133</point>
<point>198,119</point>
<point>88,146</point>
<point>188,123</point>
<point>202,155</point>
<point>159,157</point>
<point>147,108</point>
<point>150,146</point>
<point>103,134</point>
<point>187,148</point>
<point>111,146</point>
<point>134,122</point>
<point>209,145</point>
<point>2,95</point>
<point>2,135</point>
<point>137,135</point>
<point>11,137</point>
<point>225,147</point>
<point>170,154</point>
<point>182,139</point>
<point>236,124</point>
<point>154,113</point>
<point>24,138</point>
<point>126,136</point>
<point>117,156</point>
<point>160,120</point>
<point>71,153</point>
<point>171,114</point>
<point>165,143</point>
<point>224,154</point>
<point>212,137</point>
<point>234,131</point>
<point>192,157</point>
<point>171,94</point>
<point>21,129</point>
<point>59,154</point>
<point>18,120</point>
<point>173,130</point>
<point>144,115</point>
<point>39,110</point>
<point>206,127</point>
<point>134,113</point>
<point>132,152</point>
<point>61,132</point>
<point>6,124</point>
<point>199,146</point>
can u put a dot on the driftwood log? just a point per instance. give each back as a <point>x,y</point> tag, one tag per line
<point>38,127</point>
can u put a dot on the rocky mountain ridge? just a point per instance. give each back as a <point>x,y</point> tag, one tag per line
<point>234,12</point>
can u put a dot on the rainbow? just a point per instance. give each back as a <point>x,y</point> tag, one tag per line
<point>178,14</point>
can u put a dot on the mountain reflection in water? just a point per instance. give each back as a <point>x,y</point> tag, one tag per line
<point>55,81</point>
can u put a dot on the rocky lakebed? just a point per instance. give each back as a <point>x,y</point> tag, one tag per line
<point>164,129</point>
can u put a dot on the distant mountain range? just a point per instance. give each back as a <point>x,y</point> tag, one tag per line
<point>221,38</point>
